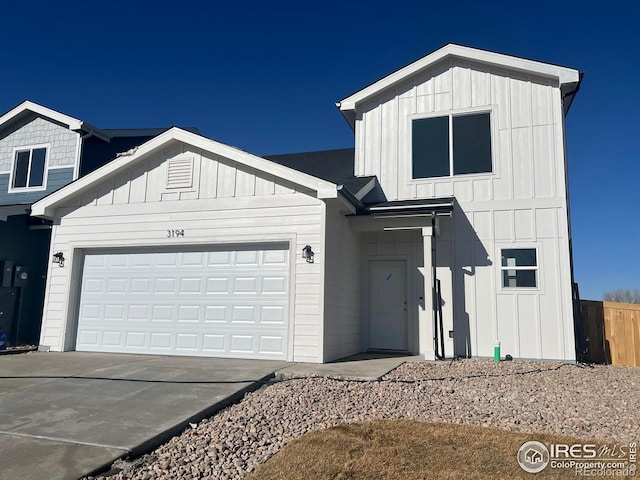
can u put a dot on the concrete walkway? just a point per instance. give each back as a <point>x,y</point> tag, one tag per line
<point>362,366</point>
<point>64,415</point>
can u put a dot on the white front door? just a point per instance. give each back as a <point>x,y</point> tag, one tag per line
<point>388,304</point>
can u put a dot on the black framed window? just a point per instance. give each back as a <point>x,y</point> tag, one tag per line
<point>451,145</point>
<point>29,167</point>
<point>519,267</point>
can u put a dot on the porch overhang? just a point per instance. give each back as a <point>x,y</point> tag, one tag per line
<point>408,208</point>
<point>422,215</point>
<point>401,214</point>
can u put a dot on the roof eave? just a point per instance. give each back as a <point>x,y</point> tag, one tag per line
<point>70,122</point>
<point>563,75</point>
<point>46,207</point>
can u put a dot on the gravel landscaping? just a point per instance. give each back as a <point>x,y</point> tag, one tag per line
<point>586,401</point>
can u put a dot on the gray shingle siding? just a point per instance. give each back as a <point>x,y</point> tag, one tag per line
<point>56,179</point>
<point>35,130</point>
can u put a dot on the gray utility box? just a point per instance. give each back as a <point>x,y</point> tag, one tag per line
<point>8,304</point>
<point>6,280</point>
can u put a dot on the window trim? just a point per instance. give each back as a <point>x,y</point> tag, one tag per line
<point>30,148</point>
<point>488,109</point>
<point>536,268</point>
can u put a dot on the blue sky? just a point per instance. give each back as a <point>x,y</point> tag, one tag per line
<point>265,76</point>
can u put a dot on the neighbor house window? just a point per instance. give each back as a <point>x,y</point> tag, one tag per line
<point>451,145</point>
<point>519,267</point>
<point>29,167</point>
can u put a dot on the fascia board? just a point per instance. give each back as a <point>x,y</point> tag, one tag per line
<point>563,74</point>
<point>96,132</point>
<point>46,206</point>
<point>72,123</point>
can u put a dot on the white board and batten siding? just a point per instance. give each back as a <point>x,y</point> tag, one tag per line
<point>343,327</point>
<point>521,204</point>
<point>202,203</point>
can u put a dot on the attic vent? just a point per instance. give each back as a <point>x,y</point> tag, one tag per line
<point>180,173</point>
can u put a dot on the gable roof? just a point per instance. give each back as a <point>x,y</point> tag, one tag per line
<point>568,78</point>
<point>28,106</point>
<point>46,206</point>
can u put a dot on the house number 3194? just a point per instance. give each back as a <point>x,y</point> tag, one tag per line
<point>175,233</point>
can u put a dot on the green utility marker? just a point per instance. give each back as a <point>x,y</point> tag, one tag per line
<point>496,351</point>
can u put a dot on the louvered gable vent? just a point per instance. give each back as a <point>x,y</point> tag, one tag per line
<point>180,173</point>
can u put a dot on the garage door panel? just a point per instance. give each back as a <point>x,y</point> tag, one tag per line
<point>214,303</point>
<point>274,285</point>
<point>135,339</point>
<point>213,343</point>
<point>244,285</point>
<point>247,258</point>
<point>162,313</point>
<point>89,337</point>
<point>191,285</point>
<point>140,286</point>
<point>275,258</point>
<point>111,338</point>
<point>187,341</point>
<point>160,341</point>
<point>217,285</point>
<point>115,312</point>
<point>219,259</point>
<point>271,344</point>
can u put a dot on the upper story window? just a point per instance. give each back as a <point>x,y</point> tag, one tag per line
<point>451,145</point>
<point>519,267</point>
<point>29,167</point>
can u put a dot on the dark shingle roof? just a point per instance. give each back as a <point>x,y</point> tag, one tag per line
<point>97,152</point>
<point>335,166</point>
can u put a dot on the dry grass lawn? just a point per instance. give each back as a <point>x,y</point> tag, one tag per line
<point>404,449</point>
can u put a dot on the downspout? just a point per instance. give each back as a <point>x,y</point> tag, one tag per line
<point>434,292</point>
<point>578,333</point>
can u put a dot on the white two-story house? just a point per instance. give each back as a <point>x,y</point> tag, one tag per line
<point>41,150</point>
<point>445,229</point>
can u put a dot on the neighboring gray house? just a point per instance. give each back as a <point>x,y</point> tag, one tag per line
<point>456,191</point>
<point>41,150</point>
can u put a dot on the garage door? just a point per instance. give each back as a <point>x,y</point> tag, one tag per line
<point>230,302</point>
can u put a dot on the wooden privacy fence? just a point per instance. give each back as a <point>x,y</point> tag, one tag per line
<point>612,332</point>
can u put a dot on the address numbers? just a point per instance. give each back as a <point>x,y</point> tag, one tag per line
<point>175,233</point>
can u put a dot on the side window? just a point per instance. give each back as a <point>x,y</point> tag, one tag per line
<point>519,268</point>
<point>451,145</point>
<point>29,167</point>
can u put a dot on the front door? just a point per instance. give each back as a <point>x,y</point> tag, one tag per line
<point>388,305</point>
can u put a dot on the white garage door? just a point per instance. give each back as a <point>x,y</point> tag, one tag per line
<point>230,302</point>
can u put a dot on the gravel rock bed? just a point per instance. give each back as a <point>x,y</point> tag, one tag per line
<point>585,401</point>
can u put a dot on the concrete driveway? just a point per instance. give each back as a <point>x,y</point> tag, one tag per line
<point>63,415</point>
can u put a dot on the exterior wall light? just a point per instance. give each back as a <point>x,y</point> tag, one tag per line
<point>59,259</point>
<point>308,254</point>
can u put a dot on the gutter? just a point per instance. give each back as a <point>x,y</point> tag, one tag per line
<point>350,198</point>
<point>571,95</point>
